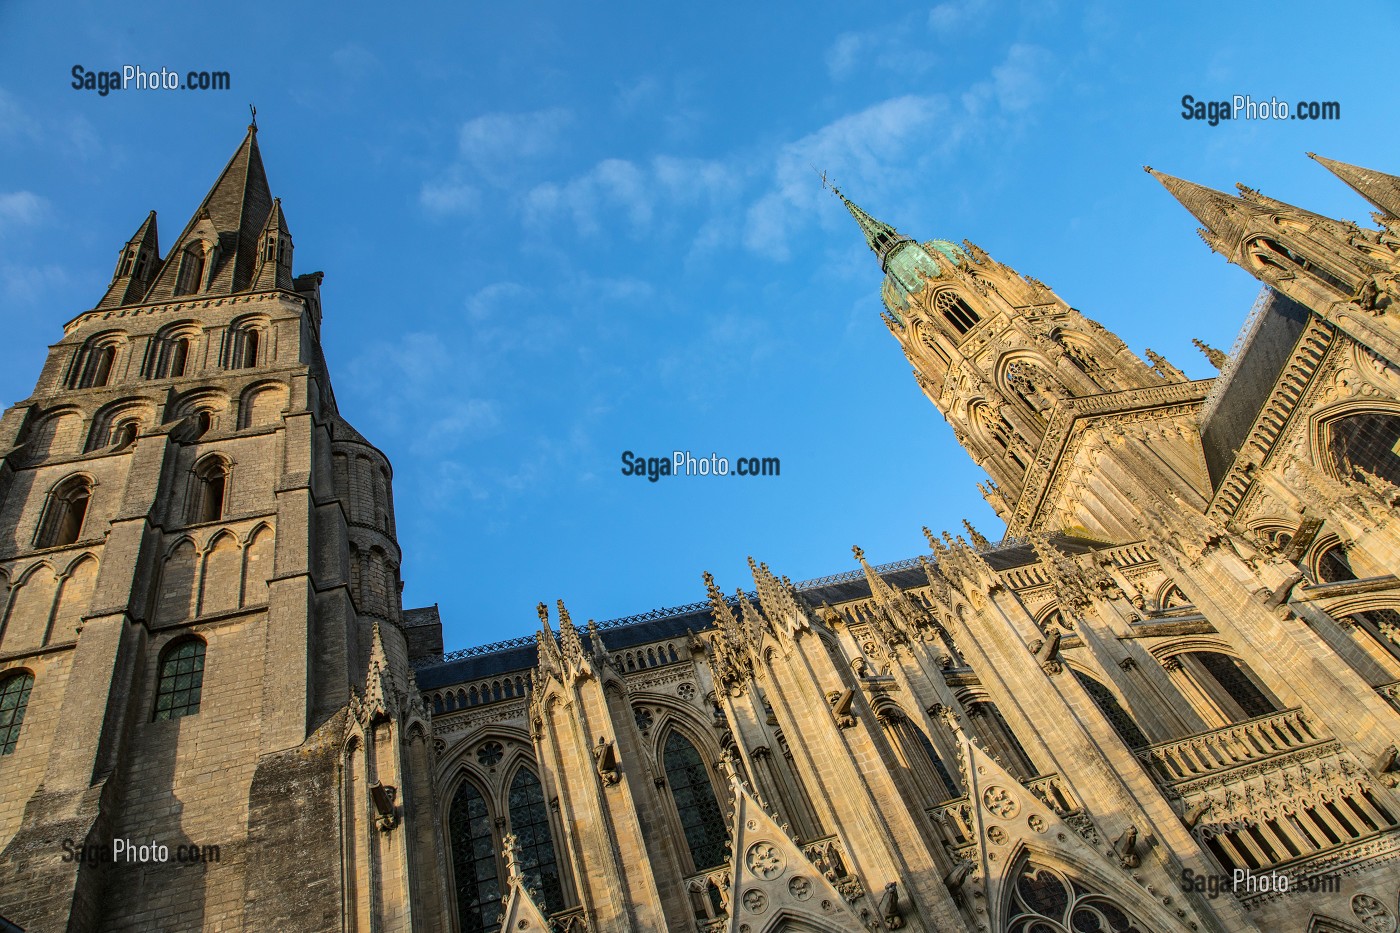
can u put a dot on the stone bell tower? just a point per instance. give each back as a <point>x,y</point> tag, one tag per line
<point>200,641</point>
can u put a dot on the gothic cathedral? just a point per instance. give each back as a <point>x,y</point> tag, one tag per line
<point>1167,701</point>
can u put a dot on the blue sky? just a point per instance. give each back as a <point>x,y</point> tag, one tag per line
<point>553,232</point>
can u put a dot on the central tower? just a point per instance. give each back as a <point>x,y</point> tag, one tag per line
<point>1024,380</point>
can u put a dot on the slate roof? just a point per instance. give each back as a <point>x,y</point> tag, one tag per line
<point>1263,349</point>
<point>521,654</point>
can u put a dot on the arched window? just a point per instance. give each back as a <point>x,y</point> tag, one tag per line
<point>699,812</point>
<point>1173,598</point>
<point>956,311</point>
<point>1333,565</point>
<point>244,345</point>
<point>529,821</point>
<point>1281,257</point>
<point>95,362</point>
<point>1366,443</point>
<point>473,862</point>
<point>996,733</point>
<point>250,349</point>
<point>1119,718</point>
<point>124,434</point>
<point>102,361</point>
<point>210,490</point>
<point>1042,900</point>
<point>179,355</point>
<point>181,679</point>
<point>14,699</point>
<point>1383,625</point>
<point>1230,685</point>
<point>191,275</point>
<point>65,513</point>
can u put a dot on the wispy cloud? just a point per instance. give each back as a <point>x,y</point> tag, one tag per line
<point>492,150</point>
<point>954,15</point>
<point>868,145</point>
<point>26,284</point>
<point>887,49</point>
<point>449,196</point>
<point>494,142</point>
<point>638,191</point>
<point>21,209</point>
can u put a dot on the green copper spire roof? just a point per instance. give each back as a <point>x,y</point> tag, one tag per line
<point>881,236</point>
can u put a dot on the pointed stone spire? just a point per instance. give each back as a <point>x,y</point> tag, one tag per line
<point>1380,189</point>
<point>894,603</point>
<point>381,698</point>
<point>776,599</point>
<point>1216,357</point>
<point>222,235</point>
<point>569,644</point>
<point>979,541</point>
<point>136,267</point>
<point>881,237</point>
<point>729,655</point>
<point>1164,367</point>
<point>1220,212</point>
<point>274,252</point>
<point>550,660</point>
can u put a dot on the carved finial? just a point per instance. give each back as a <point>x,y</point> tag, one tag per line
<point>1217,358</point>
<point>543,611</point>
<point>979,541</point>
<point>929,535</point>
<point>856,550</point>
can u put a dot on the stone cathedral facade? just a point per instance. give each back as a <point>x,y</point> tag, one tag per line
<point>1167,700</point>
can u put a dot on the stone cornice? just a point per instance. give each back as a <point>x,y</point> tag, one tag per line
<point>1068,422</point>
<point>183,303</point>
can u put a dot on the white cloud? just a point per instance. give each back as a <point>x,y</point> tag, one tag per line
<point>487,301</point>
<point>954,15</point>
<point>21,208</point>
<point>493,142</point>
<point>870,145</point>
<point>448,197</point>
<point>26,284</point>
<point>354,59</point>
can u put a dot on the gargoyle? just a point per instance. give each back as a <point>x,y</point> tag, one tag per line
<point>386,813</point>
<point>889,907</point>
<point>1126,848</point>
<point>605,757</point>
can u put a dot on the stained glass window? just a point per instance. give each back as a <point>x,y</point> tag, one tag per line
<point>1119,718</point>
<point>181,679</point>
<point>14,699</point>
<point>1044,901</point>
<point>1237,683</point>
<point>474,862</point>
<point>1369,442</point>
<point>701,818</point>
<point>529,821</point>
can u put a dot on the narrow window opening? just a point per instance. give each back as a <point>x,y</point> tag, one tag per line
<point>179,354</point>
<point>102,362</point>
<point>191,272</point>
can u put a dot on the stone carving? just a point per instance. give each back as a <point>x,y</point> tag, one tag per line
<point>999,801</point>
<point>765,861</point>
<point>755,901</point>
